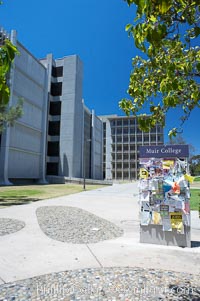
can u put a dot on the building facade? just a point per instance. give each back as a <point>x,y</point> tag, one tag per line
<point>57,134</point>
<point>121,140</point>
<point>23,146</point>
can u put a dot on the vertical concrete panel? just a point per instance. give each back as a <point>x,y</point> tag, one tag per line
<point>71,118</point>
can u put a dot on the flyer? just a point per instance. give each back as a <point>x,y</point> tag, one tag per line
<point>166,224</point>
<point>164,210</point>
<point>176,221</point>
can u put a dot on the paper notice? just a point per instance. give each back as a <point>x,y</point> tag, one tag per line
<point>156,218</point>
<point>164,210</point>
<point>166,224</point>
<point>145,218</point>
<point>177,221</point>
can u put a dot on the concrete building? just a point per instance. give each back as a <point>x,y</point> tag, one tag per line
<point>121,140</point>
<point>57,134</point>
<point>23,146</point>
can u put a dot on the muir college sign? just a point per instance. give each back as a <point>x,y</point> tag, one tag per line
<point>164,151</point>
<point>164,195</point>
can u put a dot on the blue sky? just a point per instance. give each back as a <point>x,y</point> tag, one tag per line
<point>94,30</point>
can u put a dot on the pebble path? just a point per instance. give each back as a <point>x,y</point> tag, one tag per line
<point>75,225</point>
<point>105,284</point>
<point>8,226</point>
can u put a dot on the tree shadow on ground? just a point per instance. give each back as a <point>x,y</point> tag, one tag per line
<point>18,200</point>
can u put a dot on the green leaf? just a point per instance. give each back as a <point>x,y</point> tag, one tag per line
<point>164,6</point>
<point>128,26</point>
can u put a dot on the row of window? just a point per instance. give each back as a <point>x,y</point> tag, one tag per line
<point>124,175</point>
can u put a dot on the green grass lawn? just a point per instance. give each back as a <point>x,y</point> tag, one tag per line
<point>197,179</point>
<point>19,195</point>
<point>195,199</point>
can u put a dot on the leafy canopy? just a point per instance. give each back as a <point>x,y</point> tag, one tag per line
<point>7,54</point>
<point>167,76</point>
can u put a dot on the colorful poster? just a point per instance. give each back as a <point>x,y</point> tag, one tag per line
<point>156,219</point>
<point>164,210</point>
<point>144,173</point>
<point>177,221</point>
<point>167,164</point>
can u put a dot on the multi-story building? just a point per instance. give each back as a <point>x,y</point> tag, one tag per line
<point>23,146</point>
<point>57,135</point>
<point>121,140</point>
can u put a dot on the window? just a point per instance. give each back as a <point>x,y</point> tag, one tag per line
<point>119,148</point>
<point>125,175</point>
<point>119,131</point>
<point>56,89</point>
<point>132,138</point>
<point>125,122</point>
<point>55,108</point>
<point>52,169</point>
<point>125,147</point>
<point>125,130</point>
<point>125,156</point>
<point>119,165</point>
<point>119,139</point>
<point>125,138</point>
<point>113,131</point>
<point>126,165</point>
<point>119,156</point>
<point>53,149</point>
<point>57,71</point>
<point>119,175</point>
<point>119,122</point>
<point>54,128</point>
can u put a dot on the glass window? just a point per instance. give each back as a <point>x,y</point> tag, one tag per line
<point>119,165</point>
<point>119,139</point>
<point>126,165</point>
<point>119,122</point>
<point>119,156</point>
<point>132,138</point>
<point>119,148</point>
<point>125,156</point>
<point>125,130</point>
<point>125,147</point>
<point>125,138</point>
<point>55,108</point>
<point>119,175</point>
<point>56,89</point>
<point>57,71</point>
<point>119,131</point>
<point>125,122</point>
<point>113,131</point>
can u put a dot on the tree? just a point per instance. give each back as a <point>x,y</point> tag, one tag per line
<point>166,77</point>
<point>195,165</point>
<point>7,54</point>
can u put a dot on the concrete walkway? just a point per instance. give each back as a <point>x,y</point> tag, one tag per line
<point>29,252</point>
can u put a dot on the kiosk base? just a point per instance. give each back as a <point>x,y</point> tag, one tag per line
<point>154,234</point>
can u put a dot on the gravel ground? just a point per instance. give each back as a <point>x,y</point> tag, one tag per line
<point>75,225</point>
<point>113,284</point>
<point>8,225</point>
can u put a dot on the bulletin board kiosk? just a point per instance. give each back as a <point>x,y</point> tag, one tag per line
<point>164,195</point>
